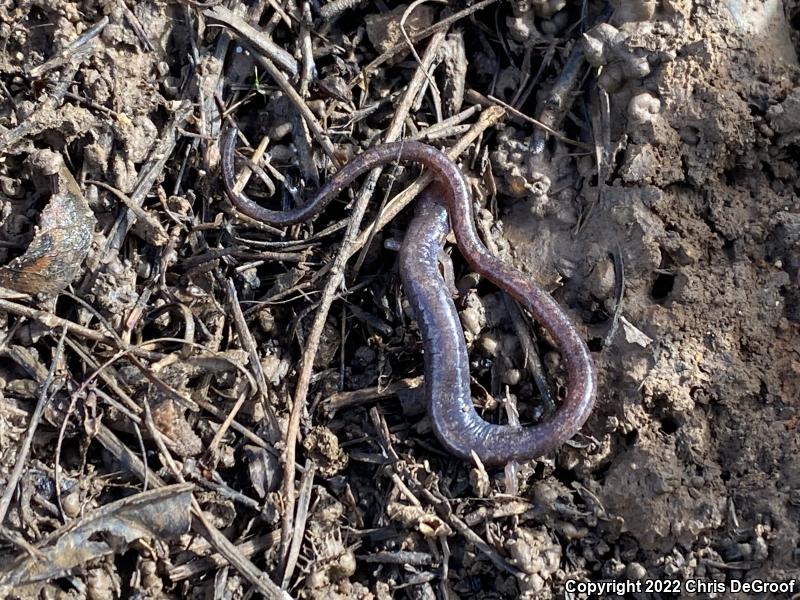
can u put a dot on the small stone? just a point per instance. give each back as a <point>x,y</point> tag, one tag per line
<point>72,503</point>
<point>643,107</point>
<point>344,567</point>
<point>760,549</point>
<point>11,187</point>
<point>552,361</point>
<point>635,571</point>
<point>602,280</point>
<point>266,320</point>
<point>512,376</point>
<point>488,344</point>
<point>640,10</point>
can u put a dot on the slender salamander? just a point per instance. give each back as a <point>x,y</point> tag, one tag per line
<point>447,382</point>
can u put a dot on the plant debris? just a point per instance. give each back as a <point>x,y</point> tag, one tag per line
<point>195,404</point>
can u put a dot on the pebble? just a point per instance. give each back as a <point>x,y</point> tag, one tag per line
<point>643,107</point>
<point>512,376</point>
<point>635,571</point>
<point>72,503</point>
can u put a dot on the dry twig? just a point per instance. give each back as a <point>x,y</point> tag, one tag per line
<point>33,424</point>
<point>334,281</point>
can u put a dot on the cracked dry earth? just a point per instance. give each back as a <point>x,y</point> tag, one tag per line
<point>689,466</point>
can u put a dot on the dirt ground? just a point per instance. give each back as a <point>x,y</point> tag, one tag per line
<point>158,345</point>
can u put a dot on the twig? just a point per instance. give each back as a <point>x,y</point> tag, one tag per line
<point>444,132</point>
<point>532,361</point>
<point>209,86</point>
<point>445,512</point>
<point>223,546</point>
<point>309,69</point>
<point>399,557</point>
<point>52,321</point>
<point>158,438</point>
<point>130,409</point>
<point>157,235</point>
<point>252,166</point>
<point>334,281</point>
<point>32,551</point>
<point>415,37</point>
<point>473,538</point>
<point>33,123</point>
<point>405,490</point>
<point>312,307</point>
<point>619,275</point>
<point>302,108</point>
<point>148,174</point>
<point>232,554</point>
<point>201,565</point>
<point>528,83</point>
<point>456,119</point>
<point>371,394</point>
<point>224,426</point>
<point>235,425</point>
<point>136,26</point>
<point>201,5</point>
<point>125,457</point>
<point>303,502</point>
<point>512,412</point>
<point>237,252</point>
<point>384,437</point>
<point>33,424</point>
<point>188,324</point>
<point>69,52</point>
<point>282,296</point>
<point>254,38</point>
<point>558,100</point>
<point>304,148</point>
<point>249,344</point>
<point>404,108</point>
<point>473,96</point>
<point>409,9</point>
<point>279,15</point>
<point>223,489</point>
